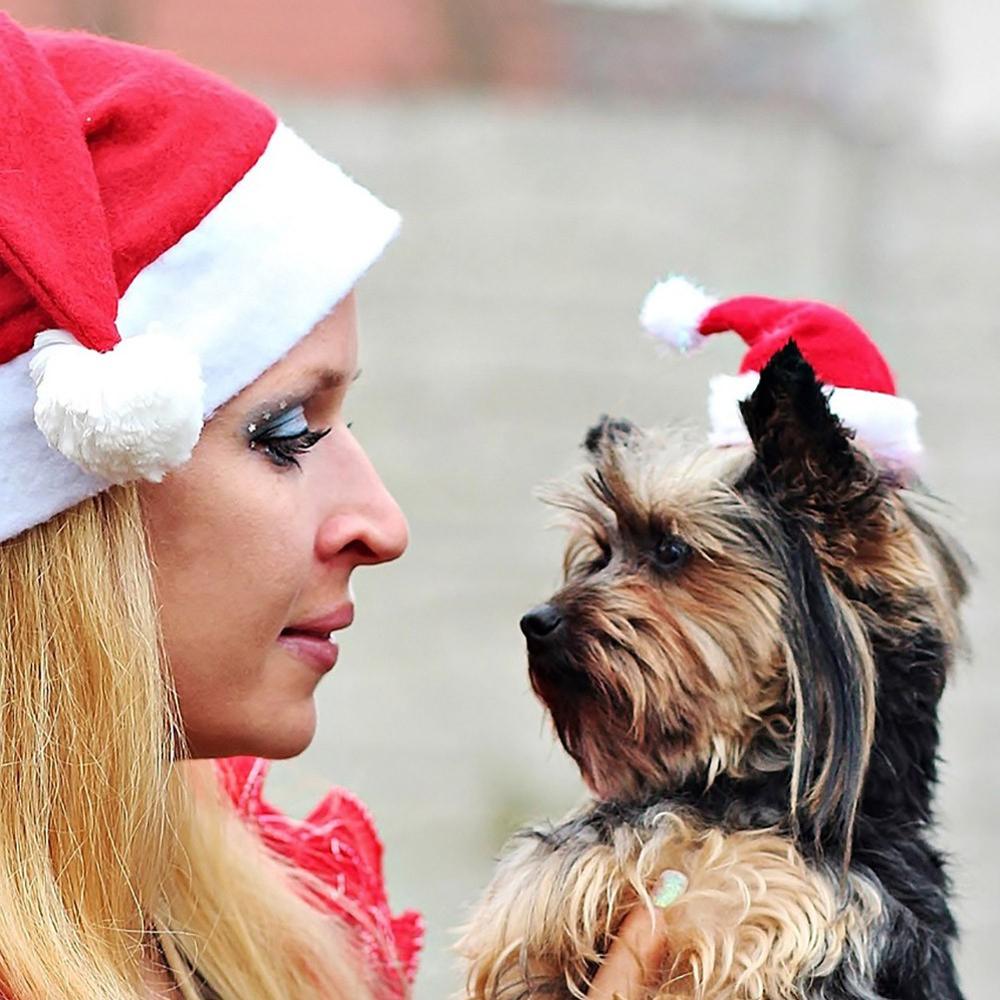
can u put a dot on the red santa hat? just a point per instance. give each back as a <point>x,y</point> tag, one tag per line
<point>164,239</point>
<point>862,391</point>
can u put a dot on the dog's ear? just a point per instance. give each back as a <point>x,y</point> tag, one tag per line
<point>609,432</point>
<point>790,424</point>
<point>807,464</point>
<point>833,679</point>
<point>804,453</point>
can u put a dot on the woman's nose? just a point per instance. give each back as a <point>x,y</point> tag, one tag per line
<point>365,522</point>
<point>387,533</point>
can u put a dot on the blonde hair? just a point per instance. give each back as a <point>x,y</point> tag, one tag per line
<point>104,831</point>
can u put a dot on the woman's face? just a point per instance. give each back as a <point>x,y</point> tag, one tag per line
<point>258,533</point>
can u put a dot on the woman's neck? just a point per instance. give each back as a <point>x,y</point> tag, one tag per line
<point>157,978</point>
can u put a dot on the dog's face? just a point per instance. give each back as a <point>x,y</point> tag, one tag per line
<point>662,652</point>
<point>719,605</point>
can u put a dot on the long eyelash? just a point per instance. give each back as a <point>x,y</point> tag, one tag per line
<point>284,449</point>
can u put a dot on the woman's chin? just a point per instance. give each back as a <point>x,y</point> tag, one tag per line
<point>286,734</point>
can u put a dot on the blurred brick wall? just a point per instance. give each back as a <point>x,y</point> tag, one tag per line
<point>343,43</point>
<point>325,44</point>
<point>863,66</point>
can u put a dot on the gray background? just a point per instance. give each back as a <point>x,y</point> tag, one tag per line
<point>504,320</point>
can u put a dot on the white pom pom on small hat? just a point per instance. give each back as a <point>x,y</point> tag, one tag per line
<point>861,387</point>
<point>164,240</point>
<point>673,311</point>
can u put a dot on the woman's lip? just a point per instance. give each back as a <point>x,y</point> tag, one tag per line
<point>319,653</point>
<point>323,625</point>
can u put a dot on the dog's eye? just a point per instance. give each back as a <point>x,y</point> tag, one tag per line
<point>601,559</point>
<point>671,552</point>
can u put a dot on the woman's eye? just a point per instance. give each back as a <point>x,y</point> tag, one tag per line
<point>285,437</point>
<point>671,552</point>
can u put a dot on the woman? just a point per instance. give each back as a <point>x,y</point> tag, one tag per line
<point>181,510</point>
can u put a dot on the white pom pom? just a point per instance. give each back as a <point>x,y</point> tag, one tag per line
<point>134,412</point>
<point>672,312</point>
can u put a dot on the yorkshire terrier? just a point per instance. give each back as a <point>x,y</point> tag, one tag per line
<point>745,661</point>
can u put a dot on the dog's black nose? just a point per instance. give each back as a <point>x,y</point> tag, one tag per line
<point>542,624</point>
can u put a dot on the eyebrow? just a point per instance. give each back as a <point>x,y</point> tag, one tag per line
<point>329,378</point>
<point>318,380</point>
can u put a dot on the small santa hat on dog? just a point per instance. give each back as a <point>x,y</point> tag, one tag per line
<point>861,388</point>
<point>164,239</point>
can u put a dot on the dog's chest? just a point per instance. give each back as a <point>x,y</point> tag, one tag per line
<point>748,915</point>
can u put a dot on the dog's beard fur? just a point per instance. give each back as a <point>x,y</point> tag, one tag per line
<point>750,643</point>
